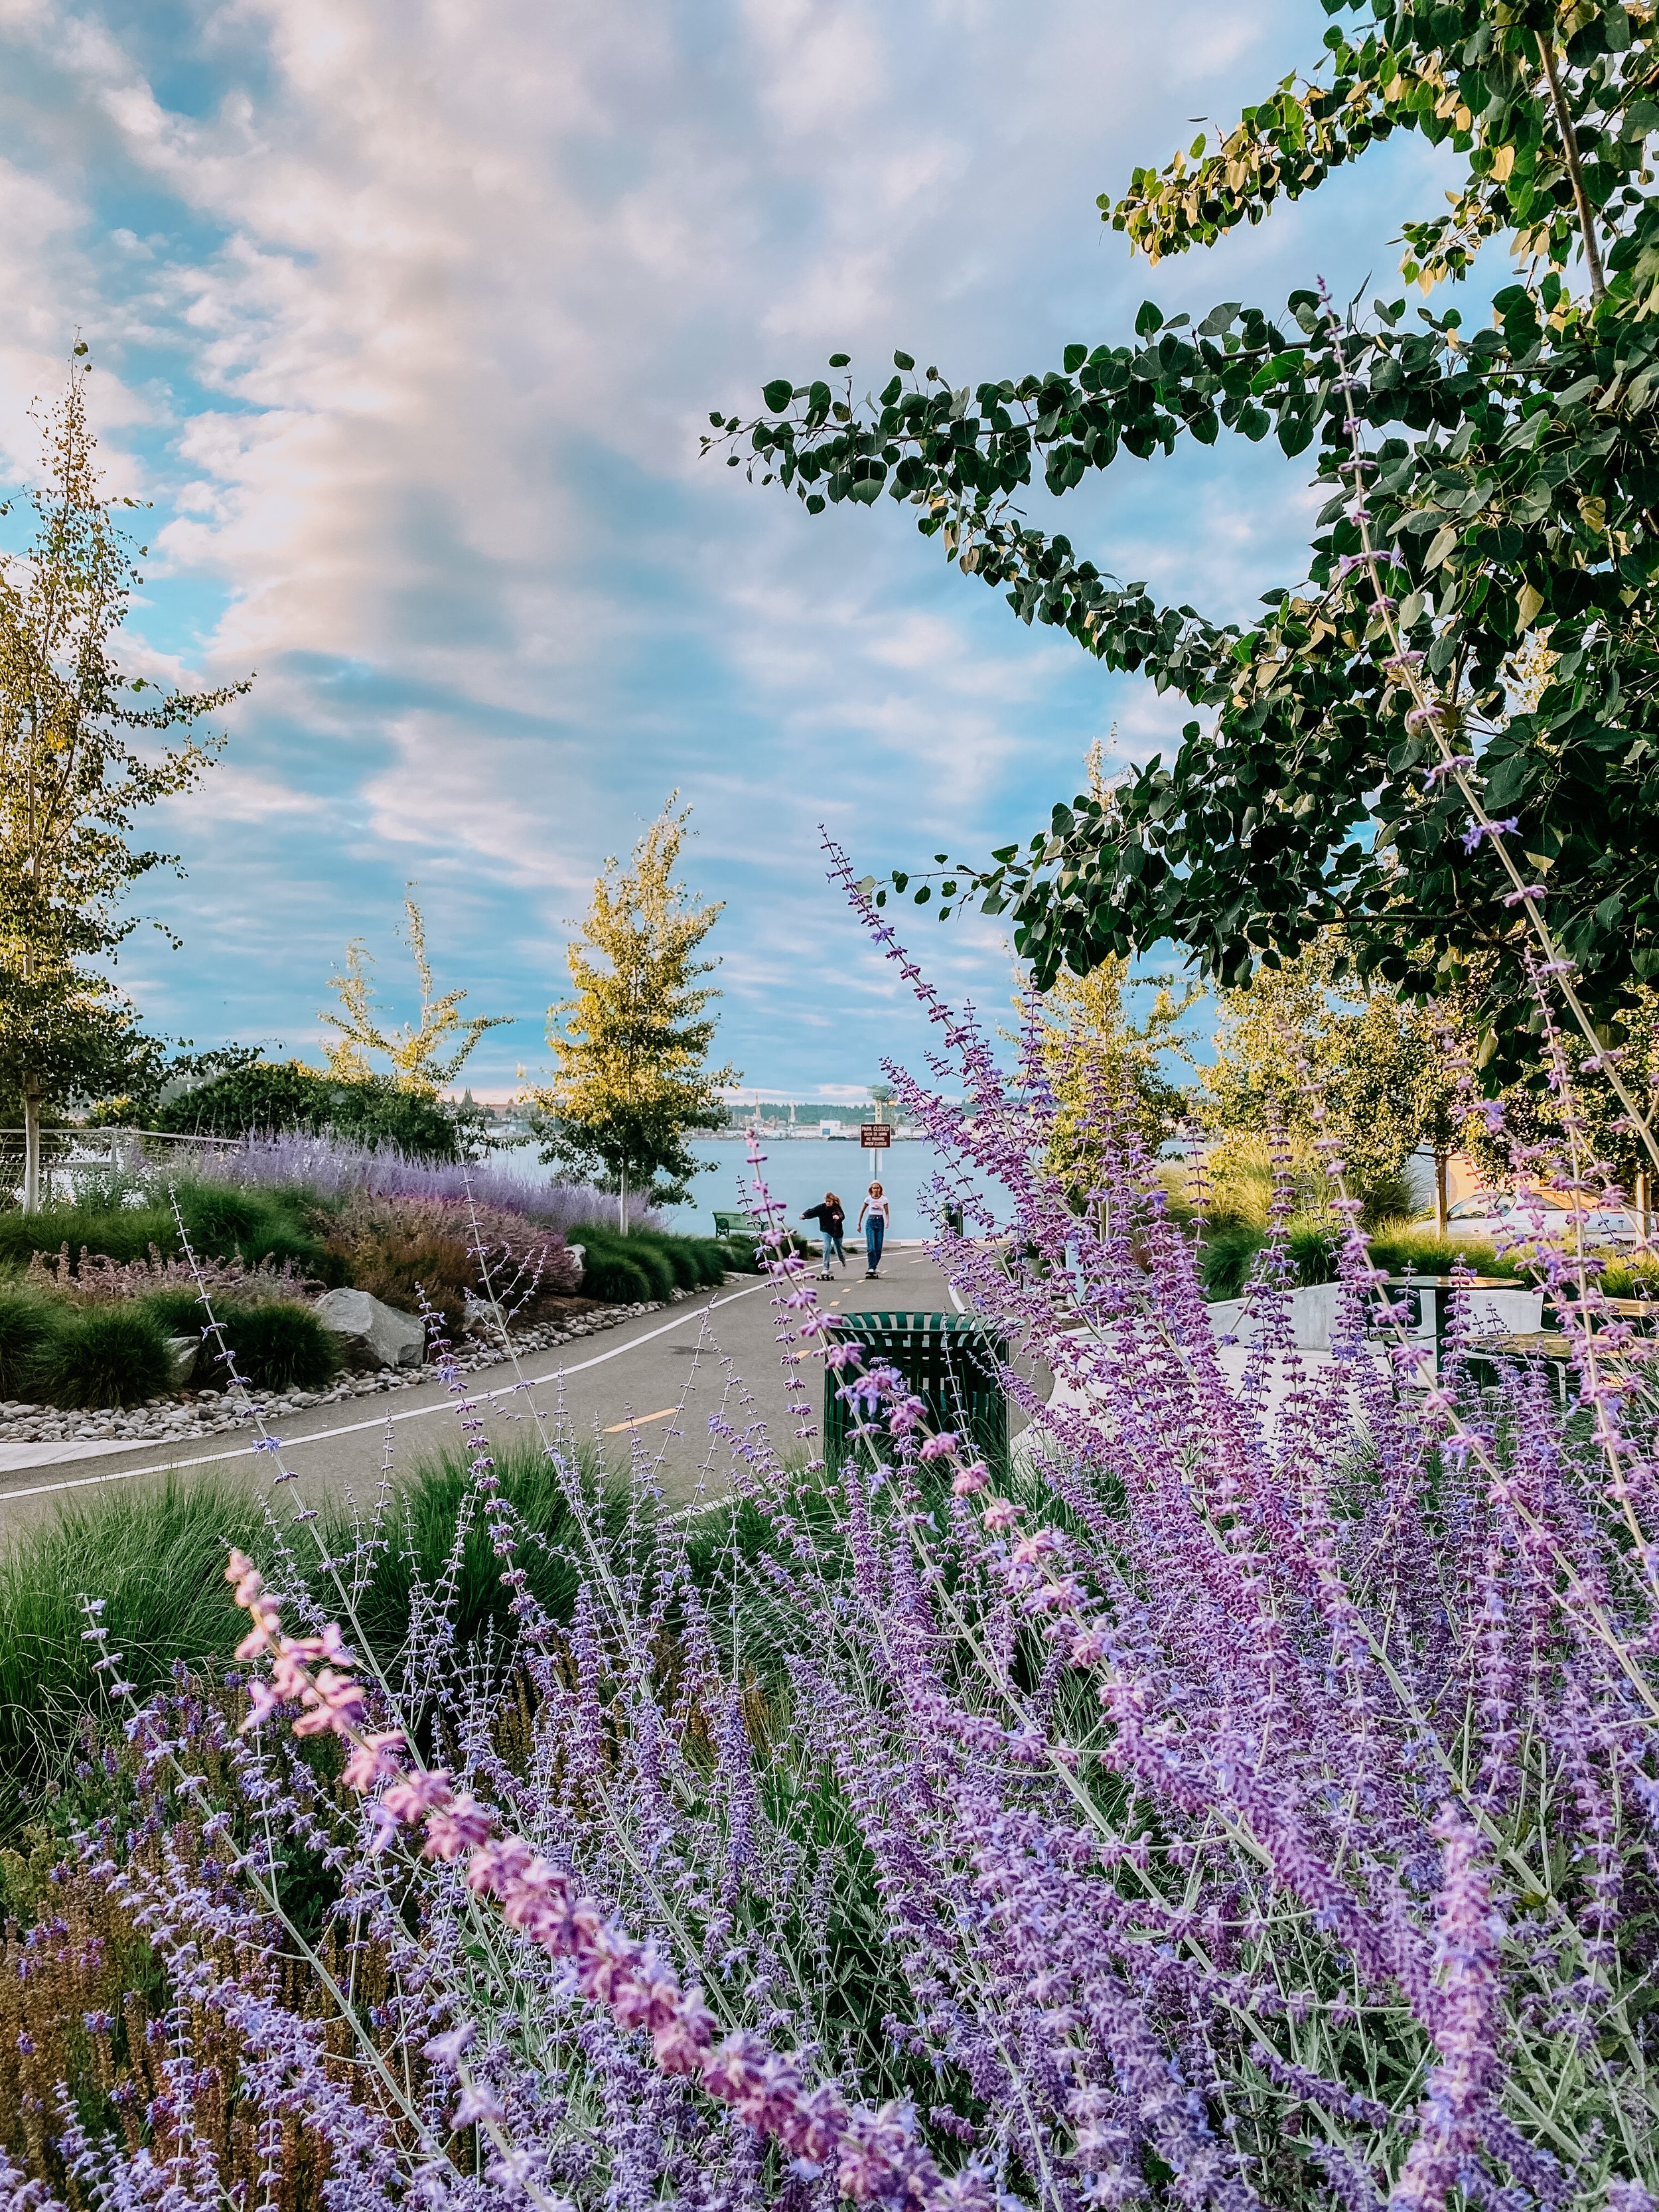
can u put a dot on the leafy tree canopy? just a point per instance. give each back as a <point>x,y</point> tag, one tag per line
<point>243,1094</point>
<point>83,749</point>
<point>1302,1051</point>
<point>417,1058</point>
<point>631,1043</point>
<point>1485,488</point>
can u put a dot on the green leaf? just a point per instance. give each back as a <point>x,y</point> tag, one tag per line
<point>841,361</point>
<point>778,394</point>
<point>1074,356</point>
<point>1149,319</point>
<point>904,360</point>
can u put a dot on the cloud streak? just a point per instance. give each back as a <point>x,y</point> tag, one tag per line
<point>408,315</point>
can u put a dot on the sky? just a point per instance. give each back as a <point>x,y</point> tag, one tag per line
<point>406,316</point>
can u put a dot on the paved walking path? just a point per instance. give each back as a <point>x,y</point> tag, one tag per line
<point>651,1386</point>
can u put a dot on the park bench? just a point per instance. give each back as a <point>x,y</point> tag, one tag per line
<point>749,1226</point>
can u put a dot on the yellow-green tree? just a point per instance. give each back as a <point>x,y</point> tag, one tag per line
<point>1374,1062</point>
<point>630,1044</point>
<point>420,1056</point>
<point>1102,1066</point>
<point>80,754</point>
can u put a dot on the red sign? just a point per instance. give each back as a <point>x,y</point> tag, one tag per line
<point>875,1135</point>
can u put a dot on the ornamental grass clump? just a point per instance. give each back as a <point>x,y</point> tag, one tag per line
<point>1248,1800</point>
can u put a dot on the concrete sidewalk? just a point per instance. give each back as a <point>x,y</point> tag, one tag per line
<point>648,1388</point>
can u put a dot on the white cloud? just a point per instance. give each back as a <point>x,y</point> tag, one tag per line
<point>414,321</point>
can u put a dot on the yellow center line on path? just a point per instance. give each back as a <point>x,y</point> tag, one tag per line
<point>644,1421</point>
<point>384,1420</point>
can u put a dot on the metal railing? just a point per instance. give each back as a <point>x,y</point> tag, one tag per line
<point>65,1153</point>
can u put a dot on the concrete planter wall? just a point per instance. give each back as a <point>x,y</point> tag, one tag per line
<point>1313,1315</point>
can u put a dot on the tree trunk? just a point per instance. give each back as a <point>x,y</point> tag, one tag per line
<point>622,1201</point>
<point>31,1145</point>
<point>1440,1207</point>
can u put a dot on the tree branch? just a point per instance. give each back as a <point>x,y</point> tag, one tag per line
<point>1570,148</point>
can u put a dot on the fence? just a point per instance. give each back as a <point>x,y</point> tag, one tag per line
<point>66,1154</point>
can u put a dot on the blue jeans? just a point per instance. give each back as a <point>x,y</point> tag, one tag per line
<point>832,1250</point>
<point>875,1232</point>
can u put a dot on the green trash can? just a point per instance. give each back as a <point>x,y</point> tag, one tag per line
<point>949,1359</point>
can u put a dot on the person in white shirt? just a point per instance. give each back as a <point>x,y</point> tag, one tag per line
<point>872,1219</point>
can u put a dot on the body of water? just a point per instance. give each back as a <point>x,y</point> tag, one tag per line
<point>799,1169</point>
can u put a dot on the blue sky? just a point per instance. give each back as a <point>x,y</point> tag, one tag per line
<point>406,315</point>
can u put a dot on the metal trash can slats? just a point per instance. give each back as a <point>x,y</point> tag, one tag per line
<point>950,1360</point>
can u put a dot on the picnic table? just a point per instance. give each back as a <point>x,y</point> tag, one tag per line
<point>1429,1300</point>
<point>1554,1349</point>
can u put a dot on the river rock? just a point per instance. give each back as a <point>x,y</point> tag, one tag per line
<point>372,1334</point>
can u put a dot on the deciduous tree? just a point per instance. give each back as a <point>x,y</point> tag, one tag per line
<point>80,757</point>
<point>629,1045</point>
<point>415,1054</point>
<point>1356,756</point>
<point>1303,1048</point>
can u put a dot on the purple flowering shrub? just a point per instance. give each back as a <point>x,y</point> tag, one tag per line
<point>1247,1796</point>
<point>336,1168</point>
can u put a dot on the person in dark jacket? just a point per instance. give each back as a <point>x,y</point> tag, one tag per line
<point>832,1224</point>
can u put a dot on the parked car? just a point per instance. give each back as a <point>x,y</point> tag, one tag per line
<point>1485,1213</point>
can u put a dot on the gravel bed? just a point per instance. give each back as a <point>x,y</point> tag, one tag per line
<point>216,1412</point>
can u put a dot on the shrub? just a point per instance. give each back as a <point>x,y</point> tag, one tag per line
<point>712,1259</point>
<point>641,1258</point>
<point>254,1226</point>
<point>28,1326</point>
<point>1405,1250</point>
<point>122,1234</point>
<point>177,1311</point>
<point>403,1269</point>
<point>113,1355</point>
<point>288,1096</point>
<point>1228,1249</point>
<point>96,1279</point>
<point>332,1168</point>
<point>222,1223</point>
<point>615,1276</point>
<point>398,1247</point>
<point>274,1347</point>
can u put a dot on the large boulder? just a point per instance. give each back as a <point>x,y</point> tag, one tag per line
<point>372,1334</point>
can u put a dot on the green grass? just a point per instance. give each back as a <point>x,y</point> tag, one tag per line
<point>113,1355</point>
<point>29,1324</point>
<point>1231,1246</point>
<point>650,1263</point>
<point>157,1557</point>
<point>223,1223</point>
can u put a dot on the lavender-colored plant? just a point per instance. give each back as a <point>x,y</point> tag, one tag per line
<point>1249,1798</point>
<point>333,1167</point>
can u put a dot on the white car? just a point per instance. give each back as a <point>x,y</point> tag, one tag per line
<point>1484,1213</point>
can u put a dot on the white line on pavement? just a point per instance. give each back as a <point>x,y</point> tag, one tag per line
<point>411,1414</point>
